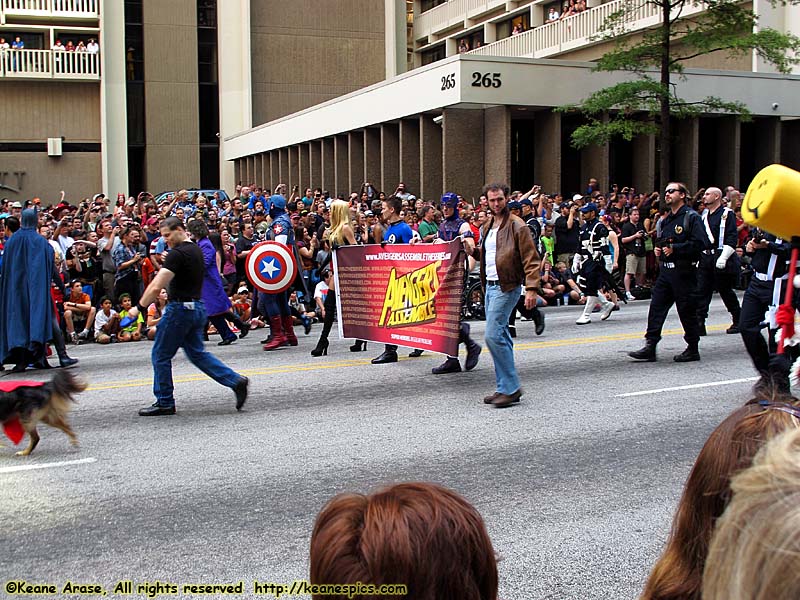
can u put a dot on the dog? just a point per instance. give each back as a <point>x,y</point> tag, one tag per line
<point>25,404</point>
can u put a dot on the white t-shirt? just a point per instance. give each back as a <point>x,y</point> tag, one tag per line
<point>101,319</point>
<point>490,248</point>
<point>321,291</point>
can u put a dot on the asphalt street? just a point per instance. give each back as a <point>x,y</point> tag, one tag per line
<point>577,483</point>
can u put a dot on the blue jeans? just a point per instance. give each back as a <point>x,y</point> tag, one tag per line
<point>182,327</point>
<point>499,305</point>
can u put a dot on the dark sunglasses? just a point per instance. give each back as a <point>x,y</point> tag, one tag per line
<point>671,190</point>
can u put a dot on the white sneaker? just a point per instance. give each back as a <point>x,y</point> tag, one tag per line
<point>630,297</point>
<point>607,310</point>
<point>583,320</point>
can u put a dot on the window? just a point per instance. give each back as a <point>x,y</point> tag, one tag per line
<point>433,54</point>
<point>516,24</point>
<point>429,4</point>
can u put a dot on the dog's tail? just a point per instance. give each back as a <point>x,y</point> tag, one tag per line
<point>65,386</point>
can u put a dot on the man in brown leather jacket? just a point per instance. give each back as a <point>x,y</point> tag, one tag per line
<point>508,260</point>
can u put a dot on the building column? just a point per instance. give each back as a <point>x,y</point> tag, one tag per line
<point>303,174</point>
<point>768,142</point>
<point>595,163</point>
<point>235,94</point>
<point>315,164</point>
<point>274,169</point>
<point>283,166</point>
<point>291,175</point>
<point>395,37</point>
<point>248,169</point>
<point>686,149</point>
<point>258,173</point>
<point>237,173</point>
<point>341,167</point>
<point>644,162</point>
<point>547,150</point>
<point>409,155</point>
<point>497,142</point>
<point>355,159</point>
<point>328,181</point>
<point>728,146</point>
<point>463,159</point>
<point>113,102</point>
<point>372,157</point>
<point>430,155</point>
<point>390,157</point>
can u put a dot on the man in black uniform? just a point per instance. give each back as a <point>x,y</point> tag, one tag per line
<point>719,265</point>
<point>770,258</point>
<point>527,215</point>
<point>681,239</point>
<point>590,264</point>
<point>182,322</point>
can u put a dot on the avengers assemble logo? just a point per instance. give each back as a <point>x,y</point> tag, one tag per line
<point>410,298</point>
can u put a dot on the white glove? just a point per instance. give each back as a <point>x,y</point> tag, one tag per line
<point>727,252</point>
<point>576,263</point>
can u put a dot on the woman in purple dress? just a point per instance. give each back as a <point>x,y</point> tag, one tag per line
<point>218,305</point>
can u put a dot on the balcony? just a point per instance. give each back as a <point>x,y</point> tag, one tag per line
<point>50,9</point>
<point>451,14</point>
<point>49,64</point>
<point>575,32</point>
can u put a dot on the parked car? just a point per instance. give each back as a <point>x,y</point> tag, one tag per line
<point>214,196</point>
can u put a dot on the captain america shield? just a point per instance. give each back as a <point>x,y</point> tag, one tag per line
<point>271,267</point>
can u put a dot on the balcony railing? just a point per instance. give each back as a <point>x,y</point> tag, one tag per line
<point>49,64</point>
<point>69,9</point>
<point>574,32</point>
<point>450,14</point>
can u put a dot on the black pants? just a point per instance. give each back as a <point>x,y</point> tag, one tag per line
<point>330,315</point>
<point>220,323</point>
<point>674,286</point>
<point>709,278</point>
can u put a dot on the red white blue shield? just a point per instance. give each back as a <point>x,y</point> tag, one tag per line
<point>271,267</point>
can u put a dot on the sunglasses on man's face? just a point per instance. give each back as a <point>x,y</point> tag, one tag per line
<point>671,191</point>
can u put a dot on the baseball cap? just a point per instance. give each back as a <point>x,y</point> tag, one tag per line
<point>577,197</point>
<point>130,202</point>
<point>295,215</point>
<point>16,205</point>
<point>589,207</point>
<point>152,221</point>
<point>96,196</point>
<point>369,213</point>
<point>514,205</point>
<point>242,290</point>
<point>526,202</point>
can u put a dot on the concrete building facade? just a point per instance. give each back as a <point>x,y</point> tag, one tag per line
<point>477,103</point>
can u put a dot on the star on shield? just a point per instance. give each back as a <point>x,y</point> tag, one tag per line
<point>268,267</point>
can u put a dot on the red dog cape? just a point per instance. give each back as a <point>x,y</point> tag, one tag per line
<point>13,428</point>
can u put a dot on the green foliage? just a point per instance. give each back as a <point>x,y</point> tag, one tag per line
<point>634,107</point>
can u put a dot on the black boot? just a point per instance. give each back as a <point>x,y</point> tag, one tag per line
<point>61,349</point>
<point>473,349</point>
<point>451,365</point>
<point>691,354</point>
<point>646,354</point>
<point>321,349</point>
<point>701,329</point>
<point>416,353</point>
<point>734,328</point>
<point>538,320</point>
<point>359,346</point>
<point>388,356</point>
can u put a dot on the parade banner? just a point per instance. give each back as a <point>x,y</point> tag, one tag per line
<point>402,294</point>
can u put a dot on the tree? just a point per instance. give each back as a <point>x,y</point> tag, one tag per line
<point>644,104</point>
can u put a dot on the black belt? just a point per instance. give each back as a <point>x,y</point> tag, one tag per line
<point>492,282</point>
<point>186,299</point>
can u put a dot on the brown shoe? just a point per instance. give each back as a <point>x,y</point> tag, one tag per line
<point>490,399</point>
<point>504,400</point>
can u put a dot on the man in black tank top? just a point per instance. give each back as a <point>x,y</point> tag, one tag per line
<point>182,321</point>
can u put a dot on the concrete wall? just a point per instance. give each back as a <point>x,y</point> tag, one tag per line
<point>79,174</point>
<point>50,109</point>
<point>171,103</point>
<point>306,52</point>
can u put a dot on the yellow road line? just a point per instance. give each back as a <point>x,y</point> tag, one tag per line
<point>278,370</point>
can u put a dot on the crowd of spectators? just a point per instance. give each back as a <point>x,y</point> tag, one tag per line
<point>111,249</point>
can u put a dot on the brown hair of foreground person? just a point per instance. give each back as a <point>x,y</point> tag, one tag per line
<point>678,573</point>
<point>755,550</point>
<point>421,535</point>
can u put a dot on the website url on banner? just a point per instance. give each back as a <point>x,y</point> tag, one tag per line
<point>426,256</point>
<point>410,338</point>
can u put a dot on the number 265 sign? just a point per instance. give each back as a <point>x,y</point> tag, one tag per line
<point>479,80</point>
